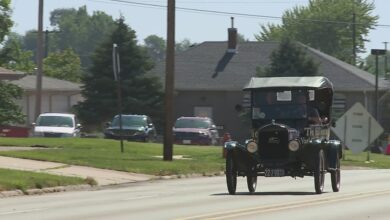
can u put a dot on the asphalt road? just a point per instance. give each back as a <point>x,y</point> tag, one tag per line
<point>365,194</point>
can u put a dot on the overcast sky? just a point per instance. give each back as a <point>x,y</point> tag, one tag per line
<point>195,26</point>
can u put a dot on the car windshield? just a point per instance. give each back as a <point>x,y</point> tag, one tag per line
<point>192,123</point>
<point>281,105</point>
<point>55,121</point>
<point>130,121</point>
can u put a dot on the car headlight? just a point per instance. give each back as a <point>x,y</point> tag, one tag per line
<point>293,145</point>
<point>251,147</point>
<point>203,133</point>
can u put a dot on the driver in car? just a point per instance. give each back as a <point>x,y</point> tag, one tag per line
<point>310,112</point>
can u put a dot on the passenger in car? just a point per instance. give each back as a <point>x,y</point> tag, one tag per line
<point>311,113</point>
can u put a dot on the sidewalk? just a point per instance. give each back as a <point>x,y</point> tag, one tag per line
<point>103,177</point>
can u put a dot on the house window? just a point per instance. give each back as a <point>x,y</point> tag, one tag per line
<point>338,108</point>
<point>203,111</point>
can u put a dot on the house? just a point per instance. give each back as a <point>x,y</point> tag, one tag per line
<point>209,78</point>
<point>57,95</point>
<point>6,74</point>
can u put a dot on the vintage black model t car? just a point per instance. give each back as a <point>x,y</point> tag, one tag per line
<point>291,119</point>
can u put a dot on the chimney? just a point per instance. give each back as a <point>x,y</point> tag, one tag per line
<point>232,38</point>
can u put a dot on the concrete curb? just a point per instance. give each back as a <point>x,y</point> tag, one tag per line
<point>193,175</point>
<point>13,193</point>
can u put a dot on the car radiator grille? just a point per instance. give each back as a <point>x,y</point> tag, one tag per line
<point>273,144</point>
<point>123,132</point>
<point>186,135</point>
<point>52,134</point>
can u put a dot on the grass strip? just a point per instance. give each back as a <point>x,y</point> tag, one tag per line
<point>24,180</point>
<point>141,157</point>
<point>102,153</point>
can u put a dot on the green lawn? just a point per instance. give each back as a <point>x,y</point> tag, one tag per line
<point>380,161</point>
<point>103,153</point>
<point>23,180</point>
<point>140,157</point>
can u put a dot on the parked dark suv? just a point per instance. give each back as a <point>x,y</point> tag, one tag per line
<point>195,130</point>
<point>134,127</point>
<point>290,133</point>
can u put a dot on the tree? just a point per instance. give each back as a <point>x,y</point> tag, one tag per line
<point>142,94</point>
<point>76,29</point>
<point>241,38</point>
<point>156,47</point>
<point>289,60</point>
<point>64,65</point>
<point>183,45</point>
<point>369,64</point>
<point>29,42</point>
<point>12,56</point>
<point>80,31</point>
<point>325,25</point>
<point>10,113</point>
<point>5,18</point>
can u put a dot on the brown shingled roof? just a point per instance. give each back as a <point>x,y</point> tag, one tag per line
<point>208,66</point>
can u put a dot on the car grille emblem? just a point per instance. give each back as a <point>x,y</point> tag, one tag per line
<point>273,140</point>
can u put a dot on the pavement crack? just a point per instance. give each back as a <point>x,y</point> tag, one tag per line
<point>57,167</point>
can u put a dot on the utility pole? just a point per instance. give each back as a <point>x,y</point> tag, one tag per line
<point>38,97</point>
<point>386,42</point>
<point>46,43</point>
<point>169,82</point>
<point>354,37</point>
<point>376,52</point>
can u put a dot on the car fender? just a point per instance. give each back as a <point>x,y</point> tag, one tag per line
<point>231,145</point>
<point>334,153</point>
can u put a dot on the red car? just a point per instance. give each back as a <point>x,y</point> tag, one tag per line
<point>195,130</point>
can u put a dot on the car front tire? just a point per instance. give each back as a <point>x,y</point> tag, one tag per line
<point>252,183</point>
<point>335,176</point>
<point>319,172</point>
<point>231,173</point>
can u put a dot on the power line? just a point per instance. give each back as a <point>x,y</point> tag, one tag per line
<point>235,13</point>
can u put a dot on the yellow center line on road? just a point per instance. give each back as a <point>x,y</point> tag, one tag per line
<point>285,206</point>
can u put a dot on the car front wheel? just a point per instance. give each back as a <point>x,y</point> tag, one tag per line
<point>252,183</point>
<point>319,172</point>
<point>335,176</point>
<point>231,173</point>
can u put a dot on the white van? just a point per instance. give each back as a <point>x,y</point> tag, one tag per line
<point>56,125</point>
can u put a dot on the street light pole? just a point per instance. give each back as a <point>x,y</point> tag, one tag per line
<point>38,95</point>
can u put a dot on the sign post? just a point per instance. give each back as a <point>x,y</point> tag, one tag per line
<point>117,76</point>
